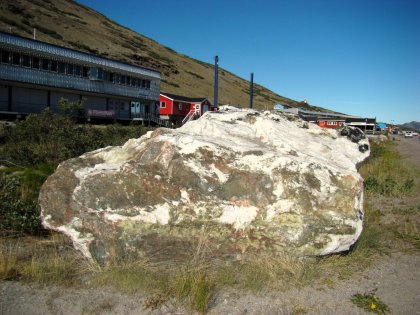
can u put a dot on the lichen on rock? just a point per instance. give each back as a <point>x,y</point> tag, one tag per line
<point>255,181</point>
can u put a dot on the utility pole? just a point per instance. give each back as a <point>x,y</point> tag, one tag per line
<point>251,90</point>
<point>216,80</point>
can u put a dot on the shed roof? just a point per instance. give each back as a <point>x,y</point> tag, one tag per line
<point>183,98</point>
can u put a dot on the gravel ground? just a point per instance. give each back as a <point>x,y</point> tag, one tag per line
<point>396,278</point>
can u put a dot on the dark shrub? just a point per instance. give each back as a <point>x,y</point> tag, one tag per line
<point>50,138</point>
<point>33,148</point>
<point>17,213</point>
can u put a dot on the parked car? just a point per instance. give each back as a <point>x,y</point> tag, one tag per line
<point>408,134</point>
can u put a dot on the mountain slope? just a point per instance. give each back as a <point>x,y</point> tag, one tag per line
<point>414,125</point>
<point>70,24</point>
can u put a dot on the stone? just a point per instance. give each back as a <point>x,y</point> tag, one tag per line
<point>239,180</point>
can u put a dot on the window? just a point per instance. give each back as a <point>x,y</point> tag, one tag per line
<point>61,67</point>
<point>16,59</point>
<point>54,66</point>
<point>77,70</point>
<point>100,73</point>
<point>147,84</point>
<point>105,75</point>
<point>111,77</point>
<point>123,79</point>
<point>134,82</point>
<point>35,62</point>
<point>70,69</point>
<point>117,78</point>
<point>162,104</point>
<point>45,64</point>
<point>26,61</point>
<point>180,106</point>
<point>5,56</point>
<point>128,80</point>
<point>85,72</point>
<point>143,84</point>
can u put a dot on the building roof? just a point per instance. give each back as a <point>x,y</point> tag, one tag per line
<point>361,120</point>
<point>330,119</point>
<point>184,98</point>
<point>72,54</point>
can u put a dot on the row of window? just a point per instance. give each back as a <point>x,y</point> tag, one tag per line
<point>94,73</point>
<point>181,106</point>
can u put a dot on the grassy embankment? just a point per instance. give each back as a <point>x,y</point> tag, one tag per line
<point>391,224</point>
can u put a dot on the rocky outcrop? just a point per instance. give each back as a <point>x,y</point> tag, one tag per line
<point>248,181</point>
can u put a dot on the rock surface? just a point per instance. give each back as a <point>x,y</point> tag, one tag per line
<point>244,181</point>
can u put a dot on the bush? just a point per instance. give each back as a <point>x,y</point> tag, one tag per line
<point>386,173</point>
<point>17,213</point>
<point>50,138</point>
<point>33,148</point>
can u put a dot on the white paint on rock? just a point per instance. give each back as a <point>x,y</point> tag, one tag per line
<point>160,215</point>
<point>238,216</point>
<point>81,241</point>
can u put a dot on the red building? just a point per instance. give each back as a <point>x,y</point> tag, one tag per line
<point>176,108</point>
<point>330,123</point>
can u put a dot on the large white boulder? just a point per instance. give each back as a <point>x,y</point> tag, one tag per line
<point>248,180</point>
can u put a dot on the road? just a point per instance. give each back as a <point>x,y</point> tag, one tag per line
<point>409,149</point>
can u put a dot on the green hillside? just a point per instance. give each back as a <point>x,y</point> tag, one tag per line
<point>70,24</point>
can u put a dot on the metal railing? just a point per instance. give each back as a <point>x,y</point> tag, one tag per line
<point>190,116</point>
<point>151,118</point>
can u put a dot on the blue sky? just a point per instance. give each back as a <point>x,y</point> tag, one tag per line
<point>359,57</point>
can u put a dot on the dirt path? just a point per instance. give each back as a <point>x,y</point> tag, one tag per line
<point>396,277</point>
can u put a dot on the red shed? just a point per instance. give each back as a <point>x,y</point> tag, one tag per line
<point>176,107</point>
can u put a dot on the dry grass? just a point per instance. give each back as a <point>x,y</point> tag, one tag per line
<point>8,263</point>
<point>42,260</point>
<point>189,282</point>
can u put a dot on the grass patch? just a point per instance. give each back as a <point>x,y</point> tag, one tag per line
<point>260,272</point>
<point>386,174</point>
<point>195,75</point>
<point>189,283</point>
<point>8,263</point>
<point>192,286</point>
<point>131,277</point>
<point>409,233</point>
<point>370,302</point>
<point>48,31</point>
<point>42,260</point>
<point>82,46</point>
<point>171,83</point>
